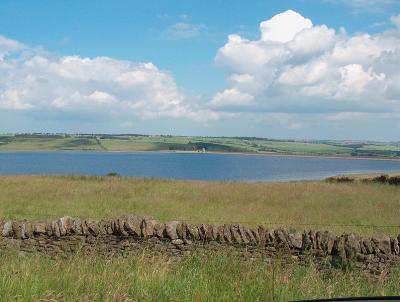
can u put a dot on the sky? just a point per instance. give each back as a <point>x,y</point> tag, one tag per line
<point>290,69</point>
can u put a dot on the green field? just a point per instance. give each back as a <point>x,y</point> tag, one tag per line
<point>198,278</point>
<point>306,204</point>
<point>365,208</point>
<point>25,142</point>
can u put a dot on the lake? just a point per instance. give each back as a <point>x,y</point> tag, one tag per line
<point>188,165</point>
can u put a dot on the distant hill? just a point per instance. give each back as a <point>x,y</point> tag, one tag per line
<point>140,142</point>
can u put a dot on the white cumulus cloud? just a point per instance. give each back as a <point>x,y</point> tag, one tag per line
<point>231,97</point>
<point>38,83</point>
<point>8,45</point>
<point>298,67</point>
<point>283,27</point>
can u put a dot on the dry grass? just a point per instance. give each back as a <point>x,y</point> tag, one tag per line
<point>317,204</point>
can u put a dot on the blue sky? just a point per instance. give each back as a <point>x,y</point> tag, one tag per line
<point>168,67</point>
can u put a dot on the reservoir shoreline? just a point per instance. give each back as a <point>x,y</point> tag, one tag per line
<point>280,154</point>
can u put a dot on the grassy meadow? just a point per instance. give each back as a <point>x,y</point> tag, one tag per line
<point>305,204</point>
<point>198,278</point>
<point>308,204</point>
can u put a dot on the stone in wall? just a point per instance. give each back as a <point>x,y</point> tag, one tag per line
<point>129,233</point>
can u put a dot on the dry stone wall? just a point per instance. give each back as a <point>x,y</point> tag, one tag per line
<point>131,234</point>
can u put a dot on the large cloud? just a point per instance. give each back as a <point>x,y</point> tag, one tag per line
<point>39,83</point>
<point>298,67</point>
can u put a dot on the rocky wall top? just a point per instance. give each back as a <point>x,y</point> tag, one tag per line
<point>347,245</point>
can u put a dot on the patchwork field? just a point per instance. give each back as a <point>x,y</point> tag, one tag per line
<point>365,208</point>
<point>25,142</point>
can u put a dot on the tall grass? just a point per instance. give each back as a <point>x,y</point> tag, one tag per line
<point>198,278</point>
<point>315,204</point>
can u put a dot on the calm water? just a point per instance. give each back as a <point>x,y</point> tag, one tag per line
<point>187,166</point>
